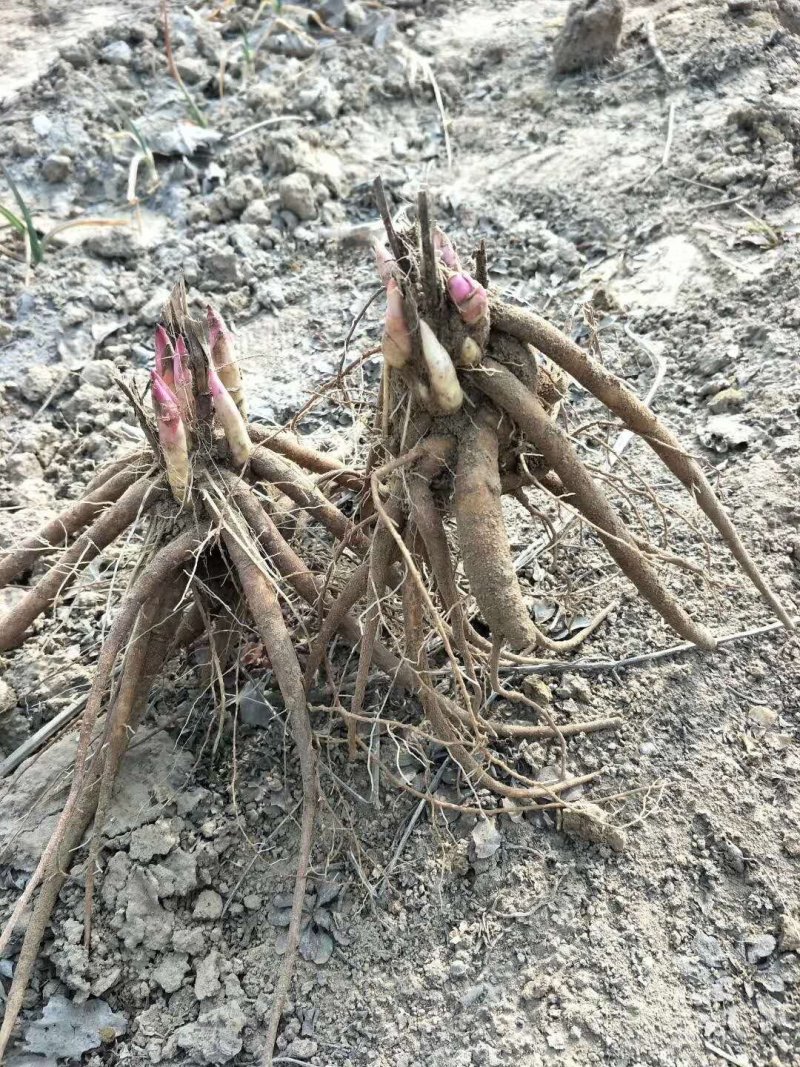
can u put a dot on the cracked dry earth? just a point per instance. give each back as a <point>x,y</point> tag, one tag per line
<point>525,945</point>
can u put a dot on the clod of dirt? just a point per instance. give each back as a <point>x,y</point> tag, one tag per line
<point>590,36</point>
<point>215,1037</point>
<point>588,822</point>
<point>67,1030</point>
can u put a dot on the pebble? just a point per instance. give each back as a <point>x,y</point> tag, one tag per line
<point>302,1048</point>
<point>760,948</point>
<point>647,748</point>
<point>170,972</point>
<point>208,983</point>
<point>208,905</point>
<point>100,373</point>
<point>726,400</point>
<point>192,941</point>
<point>576,687</point>
<point>117,53</point>
<point>56,168</point>
<point>8,698</point>
<point>297,195</point>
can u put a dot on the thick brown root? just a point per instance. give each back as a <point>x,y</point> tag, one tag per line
<point>308,458</point>
<point>144,657</point>
<point>160,570</point>
<point>266,612</point>
<point>482,537</point>
<point>548,438</point>
<point>68,523</point>
<point>140,496</point>
<point>290,480</point>
<point>611,391</point>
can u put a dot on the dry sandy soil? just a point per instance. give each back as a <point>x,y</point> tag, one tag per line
<point>664,195</point>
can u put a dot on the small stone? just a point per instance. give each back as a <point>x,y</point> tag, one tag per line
<point>730,399</point>
<point>22,466</point>
<point>192,69</point>
<point>760,948</point>
<point>588,822</point>
<point>258,213</point>
<point>457,969</point>
<point>253,901</point>
<point>224,269</point>
<point>150,312</point>
<point>117,53</point>
<point>708,950</point>
<point>215,1037</point>
<point>576,687</point>
<point>297,195</point>
<point>647,748</point>
<point>790,933</point>
<point>39,381</point>
<point>56,168</point>
<point>170,972</point>
<point>537,690</point>
<point>100,373</point>
<point>155,839</point>
<point>193,942</point>
<point>302,1048</point>
<point>8,698</point>
<point>762,715</point>
<point>207,983</point>
<point>486,839</point>
<point>590,35</point>
<point>208,905</point>
<point>241,191</point>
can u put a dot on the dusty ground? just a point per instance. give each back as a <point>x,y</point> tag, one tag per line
<point>684,948</point>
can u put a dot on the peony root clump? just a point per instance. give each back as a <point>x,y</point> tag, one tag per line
<point>417,576</point>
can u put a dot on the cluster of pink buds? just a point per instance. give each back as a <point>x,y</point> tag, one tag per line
<point>173,394</point>
<point>472,302</point>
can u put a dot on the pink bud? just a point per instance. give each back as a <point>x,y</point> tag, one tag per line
<point>230,419</point>
<point>444,246</point>
<point>385,262</point>
<point>164,355</point>
<point>470,298</point>
<point>396,336</point>
<point>172,437</point>
<point>183,381</point>
<point>164,399</point>
<point>224,356</point>
<point>216,326</point>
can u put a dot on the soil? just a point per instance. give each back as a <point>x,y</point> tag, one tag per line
<point>659,189</point>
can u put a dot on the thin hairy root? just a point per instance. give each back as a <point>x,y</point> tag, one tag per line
<point>160,570</point>
<point>571,643</point>
<point>382,556</point>
<point>105,529</point>
<point>353,590</point>
<point>506,391</point>
<point>60,529</point>
<point>515,697</point>
<point>611,391</point>
<point>308,458</point>
<point>297,485</point>
<point>265,609</point>
<point>569,729</point>
<point>482,537</point>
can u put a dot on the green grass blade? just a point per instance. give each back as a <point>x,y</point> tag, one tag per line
<point>12,219</point>
<point>37,252</point>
